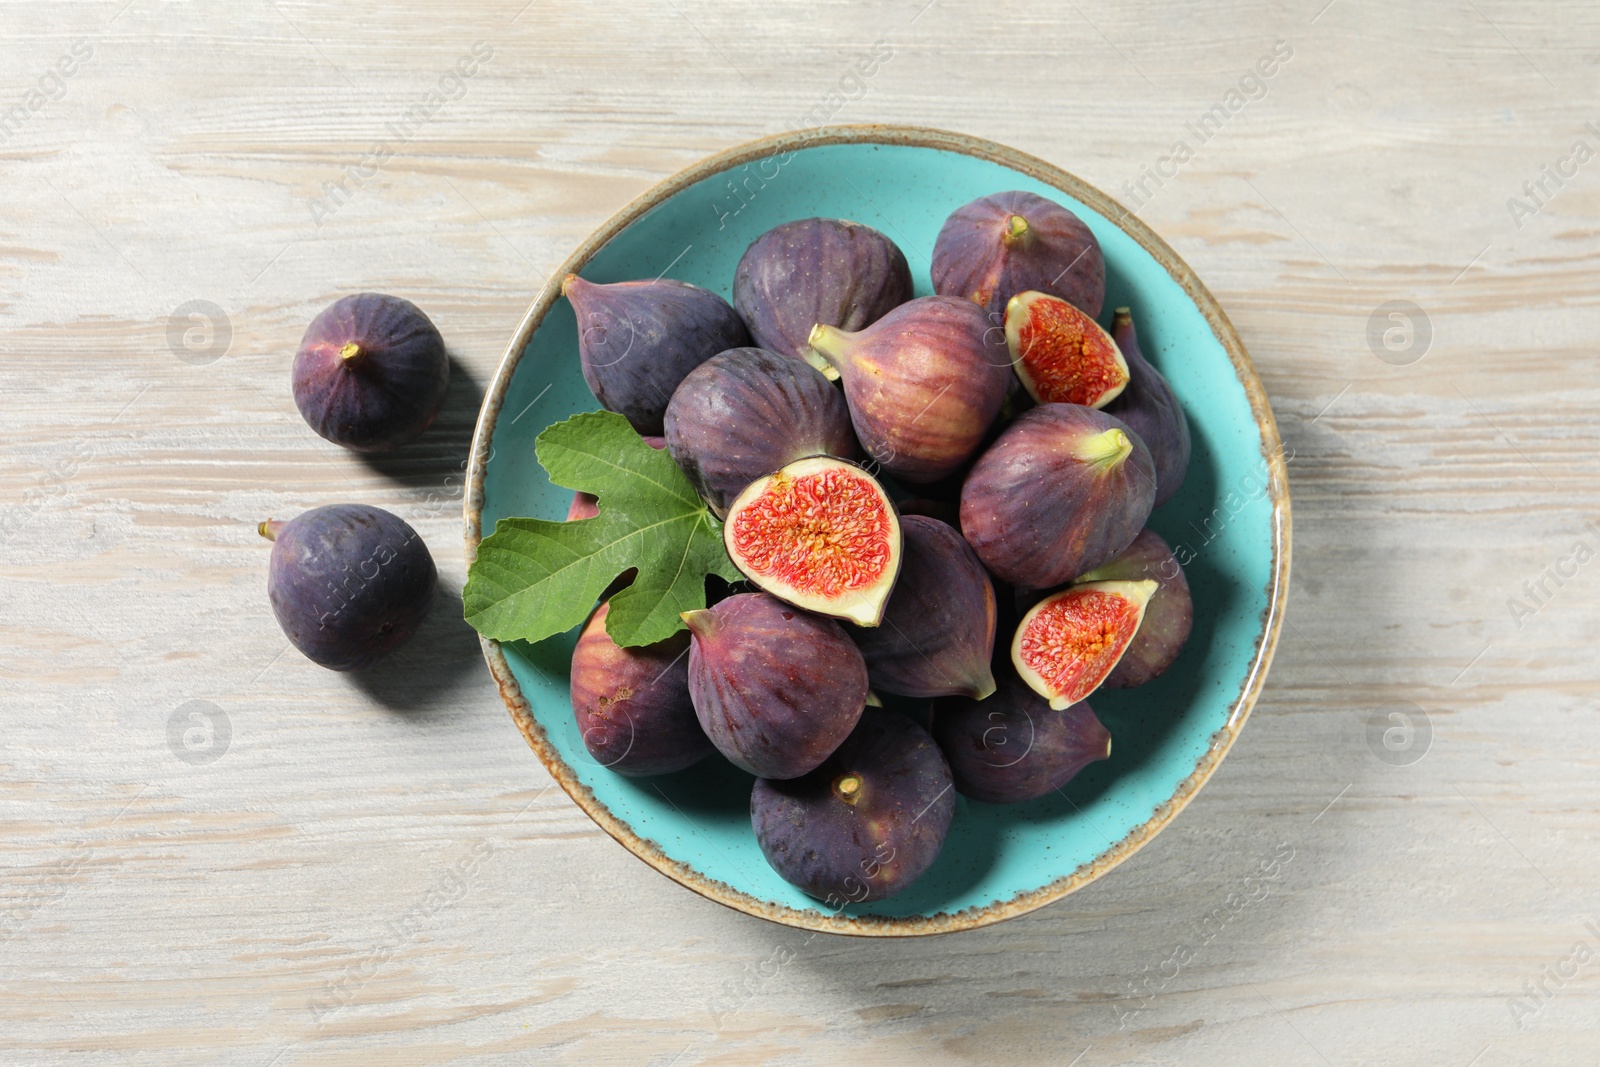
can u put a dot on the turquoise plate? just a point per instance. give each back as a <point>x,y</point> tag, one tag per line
<point>1229,525</point>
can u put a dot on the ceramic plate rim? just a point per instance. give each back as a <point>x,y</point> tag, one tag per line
<point>1272,455</point>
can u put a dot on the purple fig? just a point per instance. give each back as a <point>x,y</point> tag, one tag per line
<point>637,340</point>
<point>867,822</point>
<point>998,246</point>
<point>1014,746</point>
<point>632,704</point>
<point>937,633</point>
<point>775,688</point>
<point>371,372</point>
<point>1151,409</point>
<point>924,383</point>
<point>349,583</point>
<point>1168,617</point>
<point>1061,491</point>
<point>746,412</point>
<point>808,271</point>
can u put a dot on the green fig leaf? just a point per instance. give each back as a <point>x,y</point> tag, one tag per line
<point>534,578</point>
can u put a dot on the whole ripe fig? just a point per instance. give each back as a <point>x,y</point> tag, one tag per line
<point>808,271</point>
<point>349,583</point>
<point>371,372</point>
<point>1001,245</point>
<point>587,505</point>
<point>1168,617</point>
<point>820,534</point>
<point>1150,407</point>
<point>638,340</point>
<point>632,704</point>
<point>1069,642</point>
<point>867,822</point>
<point>1061,491</point>
<point>1061,355</point>
<point>775,688</point>
<point>924,383</point>
<point>937,634</point>
<point>1014,746</point>
<point>745,413</point>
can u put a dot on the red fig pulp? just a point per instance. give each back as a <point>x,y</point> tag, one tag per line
<point>1061,354</point>
<point>998,246</point>
<point>1069,641</point>
<point>1168,617</point>
<point>924,383</point>
<point>820,534</point>
<point>1150,407</point>
<point>937,634</point>
<point>1062,490</point>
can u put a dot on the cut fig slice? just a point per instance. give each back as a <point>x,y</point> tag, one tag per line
<point>821,534</point>
<point>1062,355</point>
<point>1069,641</point>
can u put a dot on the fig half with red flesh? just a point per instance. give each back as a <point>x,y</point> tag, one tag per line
<point>1062,355</point>
<point>821,534</point>
<point>1168,618</point>
<point>1069,641</point>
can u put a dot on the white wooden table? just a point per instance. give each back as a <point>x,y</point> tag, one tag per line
<point>276,887</point>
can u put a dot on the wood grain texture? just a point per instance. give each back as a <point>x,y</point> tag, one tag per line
<point>376,871</point>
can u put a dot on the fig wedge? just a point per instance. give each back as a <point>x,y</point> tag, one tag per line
<point>1061,355</point>
<point>821,534</point>
<point>1168,617</point>
<point>1070,641</point>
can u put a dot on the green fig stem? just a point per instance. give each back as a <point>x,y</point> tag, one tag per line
<point>270,528</point>
<point>1017,232</point>
<point>350,353</point>
<point>1121,317</point>
<point>848,786</point>
<point>700,622</point>
<point>1106,449</point>
<point>825,349</point>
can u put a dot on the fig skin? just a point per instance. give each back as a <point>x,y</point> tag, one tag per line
<point>348,583</point>
<point>866,823</point>
<point>638,340</point>
<point>371,372</point>
<point>937,634</point>
<point>982,256</point>
<point>1150,407</point>
<point>632,704</point>
<point>808,271</point>
<point>745,413</point>
<point>924,384</point>
<point>804,535</point>
<point>776,689</point>
<point>1168,617</point>
<point>1014,746</point>
<point>1061,491</point>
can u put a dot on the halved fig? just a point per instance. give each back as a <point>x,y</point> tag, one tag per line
<point>820,534</point>
<point>1062,355</point>
<point>1069,641</point>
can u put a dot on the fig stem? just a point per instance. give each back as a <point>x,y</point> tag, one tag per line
<point>350,352</point>
<point>1017,232</point>
<point>848,786</point>
<point>270,528</point>
<point>699,621</point>
<point>1106,449</point>
<point>824,349</point>
<point>1121,317</point>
